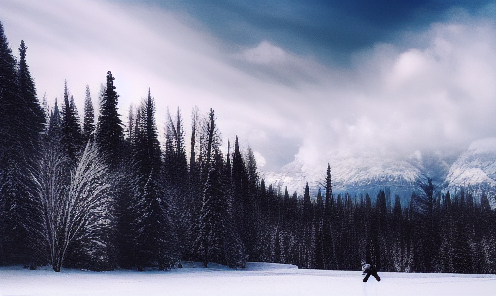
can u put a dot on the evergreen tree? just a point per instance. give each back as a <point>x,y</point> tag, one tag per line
<point>462,253</point>
<point>447,229</point>
<point>398,245</point>
<point>8,110</point>
<point>32,111</point>
<point>217,239</point>
<point>307,230</point>
<point>208,241</point>
<point>21,122</point>
<point>89,117</point>
<point>71,131</point>
<point>152,225</point>
<point>319,236</point>
<point>252,216</point>
<point>242,211</point>
<point>487,228</point>
<point>53,133</point>
<point>109,132</point>
<point>329,254</point>
<point>176,181</point>
<point>127,198</point>
<point>381,223</point>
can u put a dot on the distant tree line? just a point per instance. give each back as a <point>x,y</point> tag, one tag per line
<point>99,194</point>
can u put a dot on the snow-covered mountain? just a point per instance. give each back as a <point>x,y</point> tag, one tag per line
<point>354,175</point>
<point>474,169</point>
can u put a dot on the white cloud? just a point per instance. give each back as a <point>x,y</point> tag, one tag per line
<point>265,53</point>
<point>436,94</point>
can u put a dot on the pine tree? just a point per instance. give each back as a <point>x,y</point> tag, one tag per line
<point>319,236</point>
<point>307,230</point>
<point>89,117</point>
<point>71,131</point>
<point>251,205</point>
<point>381,224</point>
<point>8,99</point>
<point>398,241</point>
<point>425,256</point>
<point>53,133</point>
<point>329,243</point>
<point>176,180</point>
<point>126,197</point>
<point>21,122</point>
<point>152,225</point>
<point>32,111</point>
<point>487,226</point>
<point>447,229</point>
<point>208,241</point>
<point>109,132</point>
<point>217,239</point>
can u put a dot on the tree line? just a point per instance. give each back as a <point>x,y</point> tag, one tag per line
<point>99,194</point>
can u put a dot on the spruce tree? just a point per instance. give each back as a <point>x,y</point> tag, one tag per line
<point>251,205</point>
<point>176,181</point>
<point>208,239</point>
<point>89,117</point>
<point>21,122</point>
<point>33,113</point>
<point>319,236</point>
<point>329,254</point>
<point>109,132</point>
<point>33,124</point>
<point>307,230</point>
<point>152,225</point>
<point>8,98</point>
<point>217,240</point>
<point>71,130</point>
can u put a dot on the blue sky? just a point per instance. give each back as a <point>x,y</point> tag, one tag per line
<point>296,80</point>
<point>329,30</point>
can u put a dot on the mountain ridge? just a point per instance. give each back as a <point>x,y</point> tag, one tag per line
<point>473,170</point>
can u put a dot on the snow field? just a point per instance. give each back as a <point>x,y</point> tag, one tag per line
<point>257,279</point>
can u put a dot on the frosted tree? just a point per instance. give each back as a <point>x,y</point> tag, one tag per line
<point>79,212</point>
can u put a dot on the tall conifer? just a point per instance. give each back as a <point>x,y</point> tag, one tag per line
<point>109,132</point>
<point>21,122</point>
<point>89,116</point>
<point>71,130</point>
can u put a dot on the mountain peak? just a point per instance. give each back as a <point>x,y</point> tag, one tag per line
<point>474,169</point>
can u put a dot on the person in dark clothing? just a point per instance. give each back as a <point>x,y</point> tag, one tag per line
<point>368,270</point>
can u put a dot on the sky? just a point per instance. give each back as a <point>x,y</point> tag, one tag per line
<point>294,80</point>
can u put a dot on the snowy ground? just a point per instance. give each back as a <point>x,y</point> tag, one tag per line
<point>257,279</point>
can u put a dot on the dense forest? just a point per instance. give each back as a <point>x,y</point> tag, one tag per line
<point>100,194</point>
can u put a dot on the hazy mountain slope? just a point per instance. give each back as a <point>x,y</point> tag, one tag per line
<point>355,175</point>
<point>475,169</point>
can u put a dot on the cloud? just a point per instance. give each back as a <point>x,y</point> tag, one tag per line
<point>265,53</point>
<point>434,96</point>
<point>427,90</point>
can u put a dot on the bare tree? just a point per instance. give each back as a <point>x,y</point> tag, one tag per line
<point>74,211</point>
